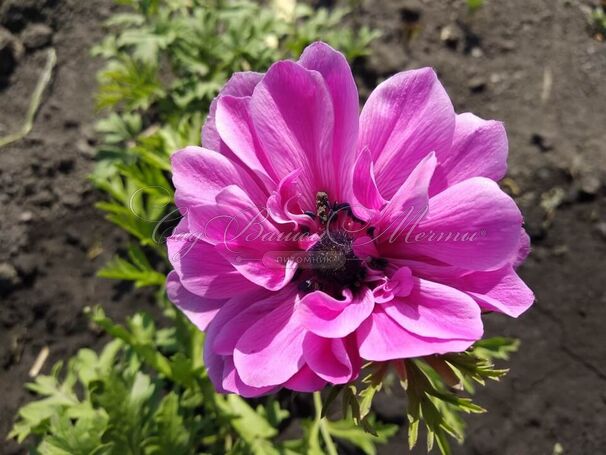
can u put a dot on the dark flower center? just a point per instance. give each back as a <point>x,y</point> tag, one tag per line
<point>333,265</point>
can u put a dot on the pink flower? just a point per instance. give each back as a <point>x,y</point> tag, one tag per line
<point>314,239</point>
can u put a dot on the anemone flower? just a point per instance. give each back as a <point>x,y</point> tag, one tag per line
<point>315,238</point>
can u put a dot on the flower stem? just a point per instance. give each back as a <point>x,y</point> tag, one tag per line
<point>321,423</point>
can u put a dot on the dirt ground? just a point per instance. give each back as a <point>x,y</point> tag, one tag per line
<point>532,64</point>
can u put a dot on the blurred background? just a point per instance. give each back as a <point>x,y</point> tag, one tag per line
<point>537,65</point>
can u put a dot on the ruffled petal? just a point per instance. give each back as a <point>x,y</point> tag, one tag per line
<point>406,117</point>
<point>365,187</point>
<point>285,205</point>
<point>434,310</point>
<point>479,149</point>
<point>331,318</point>
<point>335,70</point>
<point>472,224</point>
<point>239,313</point>
<point>201,269</point>
<point>502,290</point>
<point>305,381</point>
<point>380,338</point>
<point>330,358</point>
<point>200,311</point>
<point>233,383</point>
<point>523,248</point>
<point>270,352</point>
<point>240,84</point>
<point>200,174</point>
<point>235,126</point>
<point>233,219</point>
<point>409,204</point>
<point>294,120</point>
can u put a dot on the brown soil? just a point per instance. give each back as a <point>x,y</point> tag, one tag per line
<point>532,64</point>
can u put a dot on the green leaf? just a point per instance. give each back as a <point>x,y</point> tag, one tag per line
<point>349,431</point>
<point>138,269</point>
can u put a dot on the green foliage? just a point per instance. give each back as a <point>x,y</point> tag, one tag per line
<point>138,269</point>
<point>474,5</point>
<point>433,387</point>
<point>147,393</point>
<point>598,22</point>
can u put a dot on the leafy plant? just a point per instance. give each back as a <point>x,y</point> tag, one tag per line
<point>598,23</point>
<point>433,387</point>
<point>147,393</point>
<point>474,5</point>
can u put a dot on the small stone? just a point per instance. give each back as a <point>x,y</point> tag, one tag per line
<point>476,52</point>
<point>85,148</point>
<point>44,198</point>
<point>9,278</point>
<point>495,78</point>
<point>477,84</point>
<point>26,216</point>
<point>590,184</point>
<point>71,200</point>
<point>72,236</point>
<point>507,45</point>
<point>27,265</point>
<point>601,229</point>
<point>36,36</point>
<point>451,35</point>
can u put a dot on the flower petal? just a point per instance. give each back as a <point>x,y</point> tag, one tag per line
<point>234,125</point>
<point>239,313</point>
<point>380,338</point>
<point>406,117</point>
<point>305,380</point>
<point>240,84</point>
<point>472,224</point>
<point>330,359</point>
<point>409,204</point>
<point>479,149</point>
<point>434,310</point>
<point>201,269</point>
<point>263,268</point>
<point>502,290</point>
<point>331,318</point>
<point>523,248</point>
<point>200,174</point>
<point>271,351</point>
<point>294,119</point>
<point>233,383</point>
<point>200,311</point>
<point>365,187</point>
<point>233,219</point>
<point>335,70</point>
